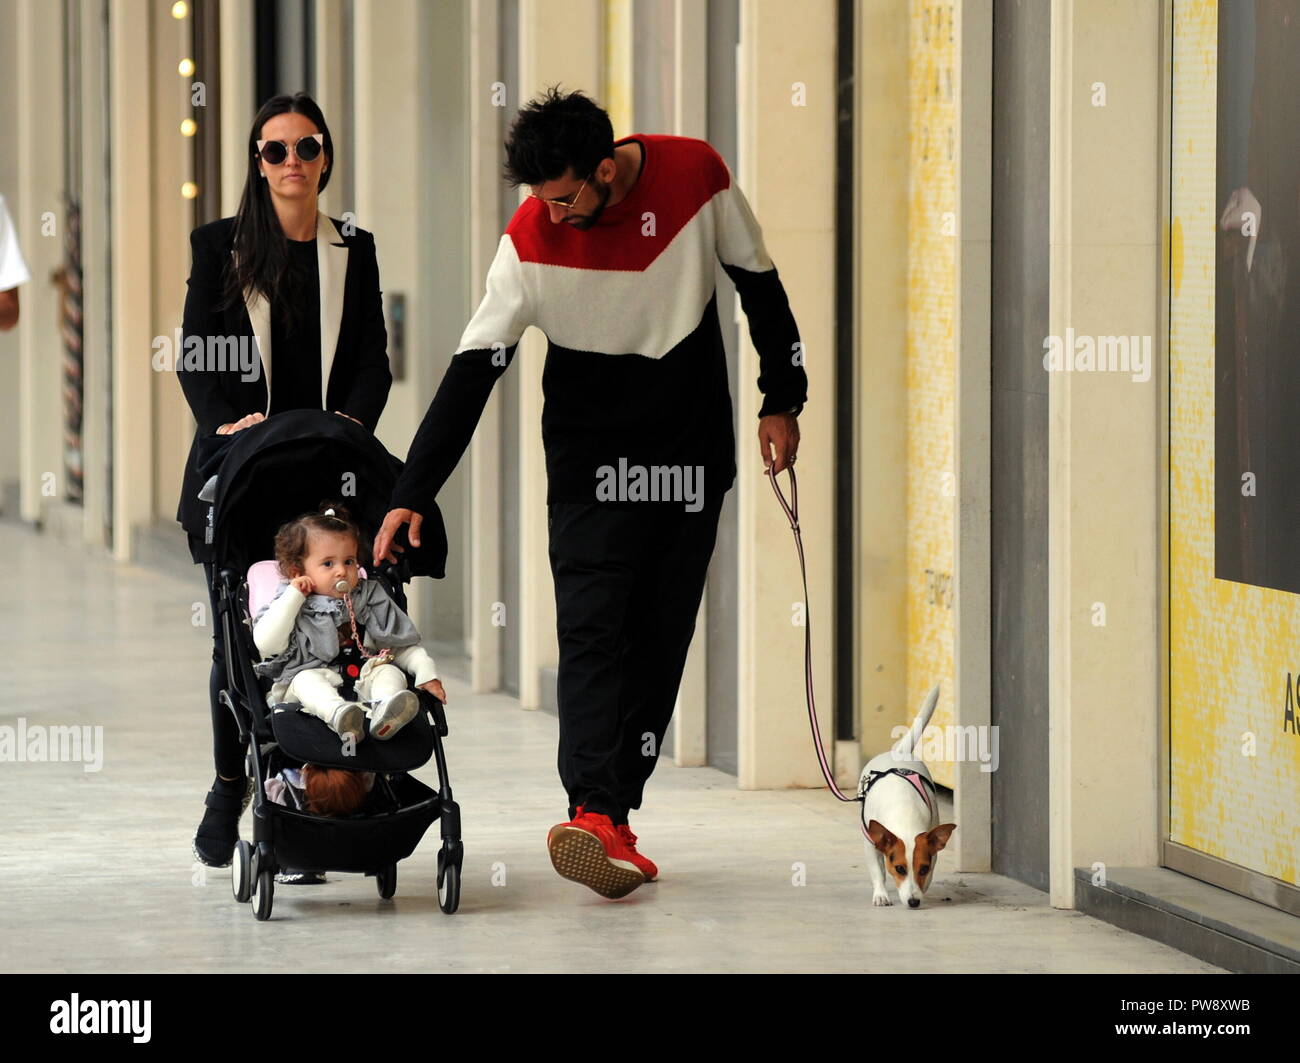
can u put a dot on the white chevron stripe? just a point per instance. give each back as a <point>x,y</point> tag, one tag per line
<point>647,312</point>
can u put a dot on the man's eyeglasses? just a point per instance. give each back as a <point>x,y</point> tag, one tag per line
<point>565,202</point>
<point>275,152</point>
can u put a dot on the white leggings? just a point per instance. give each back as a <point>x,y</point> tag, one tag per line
<point>316,689</point>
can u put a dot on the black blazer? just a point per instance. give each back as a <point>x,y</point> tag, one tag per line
<point>354,366</point>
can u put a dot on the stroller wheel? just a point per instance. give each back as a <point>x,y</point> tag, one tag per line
<point>263,894</point>
<point>448,883</point>
<point>241,871</point>
<point>386,880</point>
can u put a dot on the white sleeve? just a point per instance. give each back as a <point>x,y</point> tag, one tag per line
<point>414,661</point>
<point>275,624</point>
<point>740,238</point>
<point>13,270</point>
<point>504,311</point>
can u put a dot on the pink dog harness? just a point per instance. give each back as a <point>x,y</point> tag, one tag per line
<point>923,786</point>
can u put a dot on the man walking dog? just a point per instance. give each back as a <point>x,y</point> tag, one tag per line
<point>612,257</point>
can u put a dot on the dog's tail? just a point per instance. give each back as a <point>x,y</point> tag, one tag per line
<point>905,747</point>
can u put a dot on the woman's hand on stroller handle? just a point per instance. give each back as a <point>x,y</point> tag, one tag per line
<point>232,427</point>
<point>384,544</point>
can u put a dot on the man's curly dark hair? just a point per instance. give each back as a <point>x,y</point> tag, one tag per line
<point>556,132</point>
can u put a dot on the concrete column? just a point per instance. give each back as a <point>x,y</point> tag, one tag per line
<point>483,586</point>
<point>391,197</point>
<point>880,383</point>
<point>331,62</point>
<point>442,296</point>
<point>38,106</point>
<point>170,219</point>
<point>787,107</point>
<point>237,103</point>
<point>1105,448</point>
<point>616,93</point>
<point>10,398</point>
<point>690,119</point>
<point>559,41</point>
<point>95,193</point>
<point>131,114</point>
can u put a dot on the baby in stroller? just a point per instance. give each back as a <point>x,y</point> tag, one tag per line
<point>327,629</point>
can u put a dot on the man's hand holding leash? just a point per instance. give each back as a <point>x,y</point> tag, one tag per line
<point>779,431</point>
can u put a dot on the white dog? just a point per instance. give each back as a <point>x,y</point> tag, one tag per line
<point>900,816</point>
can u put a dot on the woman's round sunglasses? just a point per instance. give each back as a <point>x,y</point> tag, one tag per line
<point>275,152</point>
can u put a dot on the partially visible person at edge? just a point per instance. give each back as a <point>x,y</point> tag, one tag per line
<point>13,270</point>
<point>260,278</point>
<point>612,256</point>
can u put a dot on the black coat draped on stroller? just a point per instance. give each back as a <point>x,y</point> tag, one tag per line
<point>267,475</point>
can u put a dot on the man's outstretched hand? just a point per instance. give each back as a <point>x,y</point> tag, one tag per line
<point>779,432</point>
<point>384,545</point>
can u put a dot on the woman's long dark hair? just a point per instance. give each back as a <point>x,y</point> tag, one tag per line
<point>261,250</point>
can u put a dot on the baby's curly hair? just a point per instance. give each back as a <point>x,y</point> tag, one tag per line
<point>333,791</point>
<point>291,539</point>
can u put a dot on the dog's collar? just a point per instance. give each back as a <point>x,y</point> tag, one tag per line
<point>919,781</point>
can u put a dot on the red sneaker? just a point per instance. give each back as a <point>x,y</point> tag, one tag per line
<point>590,850</point>
<point>644,863</point>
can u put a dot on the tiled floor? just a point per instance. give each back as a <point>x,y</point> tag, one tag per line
<point>96,872</point>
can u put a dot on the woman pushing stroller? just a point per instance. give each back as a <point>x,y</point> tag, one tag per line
<point>305,289</point>
<point>327,629</point>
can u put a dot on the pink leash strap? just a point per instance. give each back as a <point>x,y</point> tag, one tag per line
<point>792,514</point>
<point>356,636</point>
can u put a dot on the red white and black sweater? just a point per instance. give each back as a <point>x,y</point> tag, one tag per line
<point>635,366</point>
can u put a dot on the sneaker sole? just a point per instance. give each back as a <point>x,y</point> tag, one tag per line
<point>351,720</point>
<point>299,879</point>
<point>580,857</point>
<point>401,710</point>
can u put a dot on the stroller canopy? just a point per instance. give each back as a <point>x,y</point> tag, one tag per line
<point>287,465</point>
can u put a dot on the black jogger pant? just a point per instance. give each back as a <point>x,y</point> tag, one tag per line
<point>628,583</point>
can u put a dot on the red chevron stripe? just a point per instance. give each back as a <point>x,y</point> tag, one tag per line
<point>681,175</point>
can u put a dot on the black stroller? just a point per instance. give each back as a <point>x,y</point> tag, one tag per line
<point>267,475</point>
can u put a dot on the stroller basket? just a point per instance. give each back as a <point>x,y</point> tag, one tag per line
<point>360,844</point>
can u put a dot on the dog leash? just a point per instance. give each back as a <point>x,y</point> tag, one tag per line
<point>791,509</point>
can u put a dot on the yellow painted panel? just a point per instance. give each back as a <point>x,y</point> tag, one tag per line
<point>1234,769</point>
<point>931,359</point>
<point>618,66</point>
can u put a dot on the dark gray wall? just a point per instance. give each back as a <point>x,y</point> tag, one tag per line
<point>722,678</point>
<point>1021,38</point>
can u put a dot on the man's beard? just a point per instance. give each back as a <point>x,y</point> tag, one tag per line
<point>586,221</point>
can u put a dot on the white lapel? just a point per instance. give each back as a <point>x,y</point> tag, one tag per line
<point>259,315</point>
<point>332,263</point>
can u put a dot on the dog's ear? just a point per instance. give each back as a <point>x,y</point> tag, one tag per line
<point>879,835</point>
<point>938,837</point>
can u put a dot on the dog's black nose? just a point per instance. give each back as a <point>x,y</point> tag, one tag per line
<point>915,902</point>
